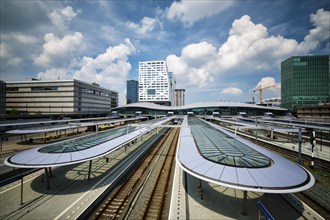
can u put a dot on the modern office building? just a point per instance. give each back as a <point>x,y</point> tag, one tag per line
<point>305,81</point>
<point>132,88</point>
<point>155,83</point>
<point>179,97</point>
<point>59,97</point>
<point>2,97</point>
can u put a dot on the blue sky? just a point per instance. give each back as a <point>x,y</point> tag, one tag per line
<point>218,50</point>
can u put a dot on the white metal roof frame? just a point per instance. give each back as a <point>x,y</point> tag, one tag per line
<point>283,176</point>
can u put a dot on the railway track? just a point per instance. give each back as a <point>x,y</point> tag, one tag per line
<point>150,176</point>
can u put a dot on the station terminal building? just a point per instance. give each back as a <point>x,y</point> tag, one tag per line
<point>202,108</point>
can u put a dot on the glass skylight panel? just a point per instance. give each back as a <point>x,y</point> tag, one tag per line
<point>216,146</point>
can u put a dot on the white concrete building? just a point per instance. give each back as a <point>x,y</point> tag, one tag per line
<point>155,83</point>
<point>59,97</point>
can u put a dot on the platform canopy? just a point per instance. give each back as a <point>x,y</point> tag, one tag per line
<point>76,124</point>
<point>210,153</point>
<point>80,149</point>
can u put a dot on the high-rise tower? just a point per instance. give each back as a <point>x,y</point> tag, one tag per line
<point>155,83</point>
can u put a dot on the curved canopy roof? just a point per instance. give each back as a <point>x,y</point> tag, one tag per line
<point>79,149</point>
<point>222,158</point>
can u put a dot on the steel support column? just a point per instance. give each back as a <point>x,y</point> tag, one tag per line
<point>89,169</point>
<point>47,178</point>
<point>22,191</point>
<point>244,211</point>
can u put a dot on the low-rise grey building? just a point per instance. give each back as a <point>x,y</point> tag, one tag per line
<point>59,97</point>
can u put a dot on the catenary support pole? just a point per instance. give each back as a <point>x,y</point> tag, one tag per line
<point>299,146</point>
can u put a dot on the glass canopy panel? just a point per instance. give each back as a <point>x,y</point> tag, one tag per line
<point>90,141</point>
<point>216,146</point>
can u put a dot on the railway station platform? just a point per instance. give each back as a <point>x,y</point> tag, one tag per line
<point>220,202</point>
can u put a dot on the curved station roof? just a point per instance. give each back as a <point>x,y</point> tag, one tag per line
<point>80,149</point>
<point>210,153</point>
<point>229,108</point>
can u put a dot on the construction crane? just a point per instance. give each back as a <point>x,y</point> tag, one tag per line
<point>261,88</point>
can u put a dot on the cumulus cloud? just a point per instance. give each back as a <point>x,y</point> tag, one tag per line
<point>267,82</point>
<point>231,91</point>
<point>145,26</point>
<point>193,64</point>
<point>57,51</point>
<point>320,33</point>
<point>109,69</point>
<point>269,88</point>
<point>54,73</point>
<point>248,48</point>
<point>11,52</point>
<point>249,45</point>
<point>61,18</point>
<point>188,12</point>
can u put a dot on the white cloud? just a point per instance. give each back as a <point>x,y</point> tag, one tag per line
<point>195,55</point>
<point>54,74</point>
<point>267,82</point>
<point>248,48</point>
<point>146,25</point>
<point>188,12</point>
<point>109,69</point>
<point>56,50</point>
<point>269,88</point>
<point>193,64</point>
<point>61,18</point>
<point>320,33</point>
<point>231,91</point>
<point>16,47</point>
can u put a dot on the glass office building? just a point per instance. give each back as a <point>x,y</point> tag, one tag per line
<point>305,81</point>
<point>132,88</point>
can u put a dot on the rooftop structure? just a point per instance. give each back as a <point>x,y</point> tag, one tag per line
<point>155,83</point>
<point>305,81</point>
<point>59,97</point>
